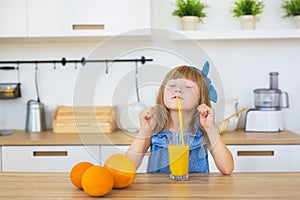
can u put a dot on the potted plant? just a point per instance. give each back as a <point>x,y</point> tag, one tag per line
<point>190,12</point>
<point>292,9</point>
<point>247,11</point>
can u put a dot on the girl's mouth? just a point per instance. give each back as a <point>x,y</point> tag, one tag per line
<point>176,96</point>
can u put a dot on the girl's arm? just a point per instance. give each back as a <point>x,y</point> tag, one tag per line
<point>137,149</point>
<point>222,156</point>
<point>142,142</point>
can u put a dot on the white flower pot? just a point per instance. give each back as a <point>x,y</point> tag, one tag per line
<point>248,22</point>
<point>189,23</point>
<point>297,21</point>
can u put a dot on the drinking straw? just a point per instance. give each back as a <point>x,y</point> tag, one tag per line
<point>180,120</point>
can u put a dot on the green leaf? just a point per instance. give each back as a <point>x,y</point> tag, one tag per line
<point>190,8</point>
<point>247,7</point>
<point>291,8</point>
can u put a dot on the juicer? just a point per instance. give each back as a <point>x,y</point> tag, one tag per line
<point>267,114</point>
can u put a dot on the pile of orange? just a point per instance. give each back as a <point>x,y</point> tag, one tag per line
<point>122,169</point>
<point>97,181</point>
<point>118,172</point>
<point>77,172</point>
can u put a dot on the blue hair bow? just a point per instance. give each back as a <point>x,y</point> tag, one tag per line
<point>211,90</point>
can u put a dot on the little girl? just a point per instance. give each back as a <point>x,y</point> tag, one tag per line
<point>192,89</point>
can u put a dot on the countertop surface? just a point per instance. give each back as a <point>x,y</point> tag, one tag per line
<point>20,138</point>
<point>274,185</point>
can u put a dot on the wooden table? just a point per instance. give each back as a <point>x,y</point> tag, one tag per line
<point>157,186</point>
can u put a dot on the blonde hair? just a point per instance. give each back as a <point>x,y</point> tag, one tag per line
<point>163,118</point>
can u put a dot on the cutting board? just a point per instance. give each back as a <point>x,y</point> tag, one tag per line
<point>84,119</point>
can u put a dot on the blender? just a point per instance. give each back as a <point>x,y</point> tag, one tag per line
<point>267,114</point>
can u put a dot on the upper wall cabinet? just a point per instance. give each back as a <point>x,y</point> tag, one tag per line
<point>65,18</point>
<point>13,18</point>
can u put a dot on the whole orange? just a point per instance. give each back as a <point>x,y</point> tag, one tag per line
<point>77,171</point>
<point>97,181</point>
<point>122,168</point>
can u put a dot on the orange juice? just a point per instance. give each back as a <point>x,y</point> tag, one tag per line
<point>179,159</point>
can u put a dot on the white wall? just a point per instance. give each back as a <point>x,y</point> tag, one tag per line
<point>243,65</point>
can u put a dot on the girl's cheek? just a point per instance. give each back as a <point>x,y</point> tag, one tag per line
<point>166,97</point>
<point>168,93</point>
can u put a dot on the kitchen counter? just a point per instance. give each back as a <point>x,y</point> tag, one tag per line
<point>240,137</point>
<point>157,186</point>
<point>20,137</point>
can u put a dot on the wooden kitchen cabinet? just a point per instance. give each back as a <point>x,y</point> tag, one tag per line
<point>13,18</point>
<point>266,158</point>
<point>109,150</point>
<point>263,158</point>
<point>252,152</point>
<point>67,18</point>
<point>47,158</point>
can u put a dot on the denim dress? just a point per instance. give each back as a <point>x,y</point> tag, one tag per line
<point>159,156</point>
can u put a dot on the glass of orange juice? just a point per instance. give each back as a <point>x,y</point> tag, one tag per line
<point>179,155</point>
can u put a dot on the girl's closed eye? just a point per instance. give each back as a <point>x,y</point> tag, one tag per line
<point>171,85</point>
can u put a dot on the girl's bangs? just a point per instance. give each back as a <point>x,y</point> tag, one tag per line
<point>185,72</point>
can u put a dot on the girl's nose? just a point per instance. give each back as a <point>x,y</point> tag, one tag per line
<point>177,90</point>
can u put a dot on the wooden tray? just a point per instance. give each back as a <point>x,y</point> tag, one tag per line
<point>89,119</point>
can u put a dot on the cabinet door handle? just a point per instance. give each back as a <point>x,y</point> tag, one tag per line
<point>50,153</point>
<point>88,26</point>
<point>255,153</point>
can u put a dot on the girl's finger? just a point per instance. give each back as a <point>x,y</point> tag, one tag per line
<point>202,108</point>
<point>148,113</point>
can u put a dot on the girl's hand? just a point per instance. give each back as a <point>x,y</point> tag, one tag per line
<point>147,121</point>
<point>206,116</point>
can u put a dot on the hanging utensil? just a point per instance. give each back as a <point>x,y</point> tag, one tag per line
<point>35,115</point>
<point>10,90</point>
<point>129,118</point>
<point>134,109</point>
